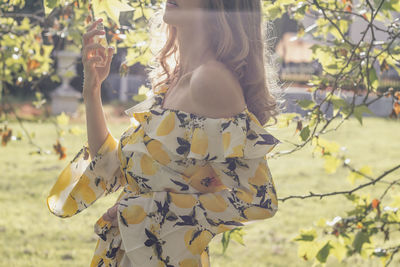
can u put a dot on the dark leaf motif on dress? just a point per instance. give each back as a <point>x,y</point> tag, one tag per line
<point>100,264</point>
<point>97,181</point>
<point>152,239</point>
<point>171,216</point>
<point>123,219</point>
<point>92,164</point>
<point>155,112</point>
<point>184,187</point>
<point>251,135</point>
<point>225,125</point>
<point>182,118</point>
<point>232,164</point>
<point>207,158</point>
<point>195,235</point>
<point>112,252</point>
<point>188,219</point>
<point>266,204</point>
<point>236,203</point>
<point>84,151</point>
<point>222,222</point>
<point>242,163</point>
<point>184,146</point>
<point>267,140</point>
<point>141,181</point>
<point>156,243</point>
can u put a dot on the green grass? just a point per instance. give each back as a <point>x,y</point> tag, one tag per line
<point>31,236</point>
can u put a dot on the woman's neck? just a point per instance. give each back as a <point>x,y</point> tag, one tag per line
<point>194,49</point>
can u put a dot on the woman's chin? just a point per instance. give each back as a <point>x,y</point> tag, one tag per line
<point>168,19</point>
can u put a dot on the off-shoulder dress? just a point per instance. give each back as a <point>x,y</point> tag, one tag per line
<point>184,178</point>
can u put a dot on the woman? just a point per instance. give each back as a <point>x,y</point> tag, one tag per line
<point>194,163</point>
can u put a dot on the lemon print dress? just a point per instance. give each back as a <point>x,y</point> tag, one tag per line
<point>184,178</point>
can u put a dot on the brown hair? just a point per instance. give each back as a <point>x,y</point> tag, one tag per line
<point>241,45</point>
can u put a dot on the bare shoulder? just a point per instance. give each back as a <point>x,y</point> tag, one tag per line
<point>215,91</point>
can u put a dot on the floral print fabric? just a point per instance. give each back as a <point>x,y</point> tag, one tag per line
<point>184,179</point>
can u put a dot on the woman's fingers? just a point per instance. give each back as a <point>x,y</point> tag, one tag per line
<point>89,35</point>
<point>93,60</point>
<point>88,51</point>
<point>91,31</point>
<point>109,56</point>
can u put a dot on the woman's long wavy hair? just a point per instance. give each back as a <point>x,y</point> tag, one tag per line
<point>239,39</point>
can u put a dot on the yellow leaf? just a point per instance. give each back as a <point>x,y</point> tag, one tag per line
<point>111,7</point>
<point>331,164</point>
<point>143,90</point>
<point>339,250</point>
<point>396,202</point>
<point>62,119</point>
<point>321,222</point>
<point>329,146</point>
<point>353,176</point>
<point>76,130</point>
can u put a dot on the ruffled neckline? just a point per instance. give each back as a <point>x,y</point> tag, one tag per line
<point>240,135</point>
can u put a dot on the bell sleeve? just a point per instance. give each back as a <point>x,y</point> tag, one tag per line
<point>84,180</point>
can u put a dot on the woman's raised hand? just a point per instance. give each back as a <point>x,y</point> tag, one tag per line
<point>111,215</point>
<point>93,75</point>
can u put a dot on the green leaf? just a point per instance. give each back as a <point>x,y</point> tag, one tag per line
<point>49,5</point>
<point>236,234</point>
<point>306,104</point>
<point>323,253</point>
<point>225,241</point>
<point>360,110</point>
<point>373,79</point>
<point>360,238</point>
<point>305,133</point>
<point>306,235</point>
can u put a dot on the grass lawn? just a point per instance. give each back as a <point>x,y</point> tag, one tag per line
<point>31,236</point>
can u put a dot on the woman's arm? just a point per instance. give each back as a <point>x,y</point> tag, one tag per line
<point>93,77</point>
<point>97,130</point>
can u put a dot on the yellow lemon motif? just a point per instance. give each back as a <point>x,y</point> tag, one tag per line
<point>184,201</point>
<point>213,202</point>
<point>70,207</point>
<point>205,260</point>
<point>257,213</point>
<point>199,243</point>
<point>199,142</point>
<point>167,125</point>
<point>260,177</point>
<point>63,182</point>
<point>133,214</point>
<point>226,140</point>
<point>206,180</point>
<point>84,191</point>
<point>237,151</point>
<point>222,228</point>
<point>157,152</point>
<point>141,116</point>
<point>245,196</point>
<point>188,263</point>
<point>147,165</point>
<point>161,264</point>
<point>134,137</point>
